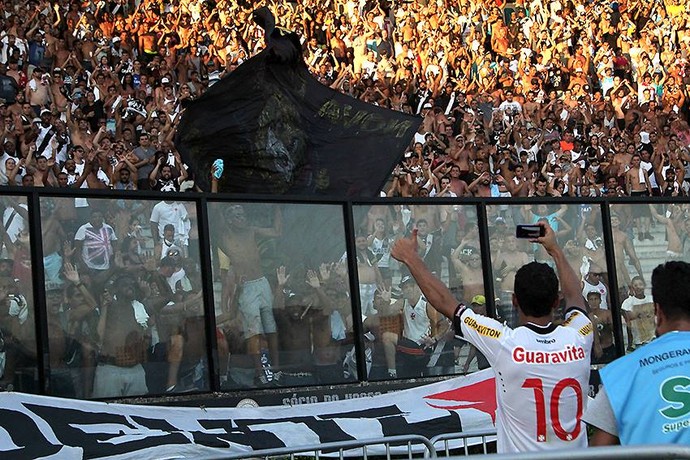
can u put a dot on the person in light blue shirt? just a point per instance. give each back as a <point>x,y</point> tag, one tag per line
<point>645,398</point>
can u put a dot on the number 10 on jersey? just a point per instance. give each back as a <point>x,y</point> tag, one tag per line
<point>554,407</point>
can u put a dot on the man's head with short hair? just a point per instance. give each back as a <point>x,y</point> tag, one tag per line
<point>169,232</point>
<point>594,299</point>
<point>540,184</point>
<point>671,295</point>
<point>409,288</point>
<point>41,163</point>
<point>125,175</point>
<point>479,165</point>
<point>166,172</point>
<point>235,215</point>
<point>167,266</point>
<point>536,289</point>
<point>28,180</point>
<point>422,227</point>
<point>63,179</point>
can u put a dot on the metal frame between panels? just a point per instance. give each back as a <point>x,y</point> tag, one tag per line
<point>201,200</point>
<point>39,291</point>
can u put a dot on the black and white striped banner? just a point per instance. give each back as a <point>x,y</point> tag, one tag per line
<point>45,427</point>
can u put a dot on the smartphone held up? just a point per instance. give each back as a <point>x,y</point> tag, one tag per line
<point>529,231</point>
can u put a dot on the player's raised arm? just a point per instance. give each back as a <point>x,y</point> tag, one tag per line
<point>570,282</point>
<point>437,293</point>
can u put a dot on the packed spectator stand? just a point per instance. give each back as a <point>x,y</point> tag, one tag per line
<point>519,99</point>
<point>570,91</point>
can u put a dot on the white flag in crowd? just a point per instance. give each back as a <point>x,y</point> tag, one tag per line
<point>40,426</point>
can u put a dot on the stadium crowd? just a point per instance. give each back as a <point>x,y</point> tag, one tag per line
<point>525,99</point>
<point>517,99</point>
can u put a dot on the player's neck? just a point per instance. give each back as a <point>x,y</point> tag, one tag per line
<point>538,320</point>
<point>680,325</point>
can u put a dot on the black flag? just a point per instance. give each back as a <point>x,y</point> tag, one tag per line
<point>280,131</point>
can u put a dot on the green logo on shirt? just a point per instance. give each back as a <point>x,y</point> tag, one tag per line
<point>676,392</point>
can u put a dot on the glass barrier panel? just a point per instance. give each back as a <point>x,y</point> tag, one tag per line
<point>18,366</point>
<point>281,291</point>
<point>579,232</point>
<point>405,336</point>
<point>645,235</point>
<point>124,295</point>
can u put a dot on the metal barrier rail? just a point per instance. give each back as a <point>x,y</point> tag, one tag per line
<point>316,450</point>
<point>652,452</point>
<point>485,436</point>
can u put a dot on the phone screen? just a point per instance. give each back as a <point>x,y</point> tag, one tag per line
<point>110,125</point>
<point>529,231</point>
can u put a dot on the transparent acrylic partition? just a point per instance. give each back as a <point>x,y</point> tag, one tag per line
<point>18,365</point>
<point>125,310</point>
<point>579,232</point>
<point>282,299</point>
<point>406,336</point>
<point>644,235</point>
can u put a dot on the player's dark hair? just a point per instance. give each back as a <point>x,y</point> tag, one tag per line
<point>536,289</point>
<point>671,289</point>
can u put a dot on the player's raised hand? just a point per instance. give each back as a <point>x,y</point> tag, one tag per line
<point>405,249</point>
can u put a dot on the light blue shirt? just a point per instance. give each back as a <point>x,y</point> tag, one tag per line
<point>649,391</point>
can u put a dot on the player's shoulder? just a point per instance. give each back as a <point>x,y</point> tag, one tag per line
<point>480,324</point>
<point>574,314</point>
<point>577,320</point>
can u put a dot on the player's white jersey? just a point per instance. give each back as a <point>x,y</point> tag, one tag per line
<point>542,378</point>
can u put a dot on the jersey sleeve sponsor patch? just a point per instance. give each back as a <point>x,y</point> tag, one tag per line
<point>482,329</point>
<point>485,333</point>
<point>572,317</point>
<point>585,330</point>
<point>577,319</point>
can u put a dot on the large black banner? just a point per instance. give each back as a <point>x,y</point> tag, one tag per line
<point>44,427</point>
<point>280,131</point>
